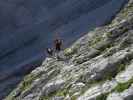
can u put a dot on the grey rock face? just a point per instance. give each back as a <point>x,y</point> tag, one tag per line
<point>96,67</point>
<point>125,75</point>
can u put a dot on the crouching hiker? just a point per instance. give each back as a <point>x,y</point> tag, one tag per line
<point>49,51</point>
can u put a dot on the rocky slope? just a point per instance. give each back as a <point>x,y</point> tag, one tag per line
<point>99,66</point>
<point>27,27</point>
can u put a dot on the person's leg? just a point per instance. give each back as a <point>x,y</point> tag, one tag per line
<point>58,48</point>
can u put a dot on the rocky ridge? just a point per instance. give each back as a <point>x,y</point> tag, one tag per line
<point>98,66</point>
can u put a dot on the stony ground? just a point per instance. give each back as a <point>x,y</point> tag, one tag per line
<point>99,66</point>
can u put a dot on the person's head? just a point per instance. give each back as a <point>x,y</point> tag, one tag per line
<point>58,41</point>
<point>48,49</point>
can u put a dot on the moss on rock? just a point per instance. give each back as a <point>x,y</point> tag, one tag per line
<point>123,86</point>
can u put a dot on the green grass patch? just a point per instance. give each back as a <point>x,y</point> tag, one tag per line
<point>70,51</point>
<point>59,93</point>
<point>121,67</point>
<point>95,40</point>
<point>44,98</point>
<point>109,34</point>
<point>102,97</point>
<point>28,81</point>
<point>122,86</point>
<point>105,47</point>
<point>22,86</point>
<point>119,88</point>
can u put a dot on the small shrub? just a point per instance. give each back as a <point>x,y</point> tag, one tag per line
<point>70,51</point>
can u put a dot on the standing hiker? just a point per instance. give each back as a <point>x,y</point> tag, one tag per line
<point>58,47</point>
<point>58,44</point>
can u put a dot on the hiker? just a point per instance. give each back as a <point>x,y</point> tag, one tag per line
<point>58,47</point>
<point>50,51</point>
<point>58,44</point>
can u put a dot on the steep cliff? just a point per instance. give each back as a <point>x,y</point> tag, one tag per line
<point>99,66</point>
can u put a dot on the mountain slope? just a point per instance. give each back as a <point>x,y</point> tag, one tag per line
<point>99,66</point>
<point>28,27</point>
